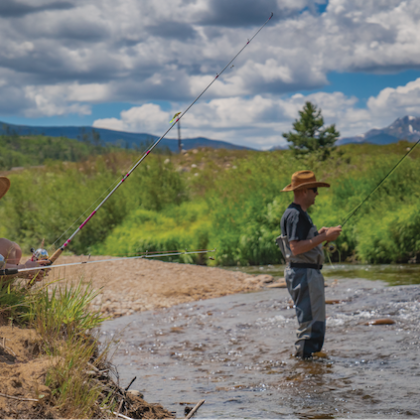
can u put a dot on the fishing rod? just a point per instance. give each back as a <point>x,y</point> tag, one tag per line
<point>331,247</point>
<point>352,213</point>
<point>177,118</point>
<point>14,271</point>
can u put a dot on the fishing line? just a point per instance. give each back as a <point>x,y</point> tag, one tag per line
<point>61,249</point>
<point>383,180</point>
<point>13,271</point>
<point>138,254</point>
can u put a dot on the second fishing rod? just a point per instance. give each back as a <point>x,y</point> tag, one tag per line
<point>59,251</point>
<point>331,246</point>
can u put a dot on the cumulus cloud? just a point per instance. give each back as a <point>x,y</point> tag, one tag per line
<point>402,100</point>
<point>259,121</point>
<point>147,118</point>
<point>15,9</point>
<point>76,53</point>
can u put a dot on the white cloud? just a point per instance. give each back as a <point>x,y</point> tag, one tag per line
<point>148,118</point>
<point>400,101</point>
<point>259,121</point>
<point>56,60</point>
<point>68,98</point>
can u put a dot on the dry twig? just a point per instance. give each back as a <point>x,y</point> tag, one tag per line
<point>18,398</point>
<point>198,405</point>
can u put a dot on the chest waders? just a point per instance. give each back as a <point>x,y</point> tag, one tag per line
<point>306,287</point>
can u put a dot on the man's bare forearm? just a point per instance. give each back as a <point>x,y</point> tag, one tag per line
<point>300,247</point>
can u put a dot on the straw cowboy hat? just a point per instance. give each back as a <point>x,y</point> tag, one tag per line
<point>4,185</point>
<point>302,180</point>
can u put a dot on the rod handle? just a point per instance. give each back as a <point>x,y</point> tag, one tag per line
<point>8,271</point>
<point>56,255</point>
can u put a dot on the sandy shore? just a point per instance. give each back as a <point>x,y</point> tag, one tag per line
<point>139,285</point>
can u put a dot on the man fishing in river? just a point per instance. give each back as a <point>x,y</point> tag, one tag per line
<point>301,246</point>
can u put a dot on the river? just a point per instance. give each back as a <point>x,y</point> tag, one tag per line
<point>236,351</point>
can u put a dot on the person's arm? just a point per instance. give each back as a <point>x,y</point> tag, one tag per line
<point>299,247</point>
<point>325,234</point>
<point>28,264</point>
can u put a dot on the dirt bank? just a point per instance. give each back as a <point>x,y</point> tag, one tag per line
<point>140,285</point>
<point>24,366</point>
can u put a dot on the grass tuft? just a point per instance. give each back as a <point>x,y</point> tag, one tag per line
<point>63,313</point>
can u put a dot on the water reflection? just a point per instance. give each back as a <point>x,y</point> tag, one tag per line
<point>393,274</point>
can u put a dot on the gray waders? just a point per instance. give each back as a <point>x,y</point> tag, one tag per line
<point>306,287</point>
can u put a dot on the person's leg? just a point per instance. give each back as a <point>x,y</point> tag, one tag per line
<point>11,251</point>
<point>306,286</point>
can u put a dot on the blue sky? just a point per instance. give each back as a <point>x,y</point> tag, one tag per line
<point>129,65</point>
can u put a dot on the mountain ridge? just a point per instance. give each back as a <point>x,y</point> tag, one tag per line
<point>404,128</point>
<point>119,138</point>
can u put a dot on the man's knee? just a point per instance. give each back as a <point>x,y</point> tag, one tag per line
<point>11,251</point>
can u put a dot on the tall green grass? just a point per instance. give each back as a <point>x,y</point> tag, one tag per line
<point>62,312</point>
<point>235,209</point>
<point>63,318</point>
<point>48,202</point>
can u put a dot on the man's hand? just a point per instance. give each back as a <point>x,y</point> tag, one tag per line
<point>34,264</point>
<point>332,233</point>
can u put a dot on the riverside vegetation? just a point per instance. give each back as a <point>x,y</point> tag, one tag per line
<point>228,200</point>
<point>53,368</point>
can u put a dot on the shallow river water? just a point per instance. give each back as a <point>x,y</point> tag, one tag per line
<point>236,352</point>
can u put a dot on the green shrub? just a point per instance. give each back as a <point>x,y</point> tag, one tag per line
<point>234,204</point>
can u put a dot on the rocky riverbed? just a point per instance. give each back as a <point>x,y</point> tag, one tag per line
<point>130,286</point>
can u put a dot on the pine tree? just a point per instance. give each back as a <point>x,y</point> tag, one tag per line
<point>310,136</point>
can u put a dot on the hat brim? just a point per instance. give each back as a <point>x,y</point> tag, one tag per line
<point>4,185</point>
<point>305,186</point>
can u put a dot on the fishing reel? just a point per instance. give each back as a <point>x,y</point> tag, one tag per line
<point>330,247</point>
<point>39,254</point>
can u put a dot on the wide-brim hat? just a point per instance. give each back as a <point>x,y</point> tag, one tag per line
<point>302,180</point>
<point>4,185</point>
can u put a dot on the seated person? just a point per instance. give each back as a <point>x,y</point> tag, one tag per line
<point>11,251</point>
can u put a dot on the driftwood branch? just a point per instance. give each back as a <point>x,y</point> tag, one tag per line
<point>18,398</point>
<point>7,348</point>
<point>198,405</point>
<point>116,414</point>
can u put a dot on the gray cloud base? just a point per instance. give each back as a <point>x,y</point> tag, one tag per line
<point>60,57</point>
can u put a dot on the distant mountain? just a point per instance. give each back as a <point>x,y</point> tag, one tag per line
<point>119,138</point>
<point>406,128</point>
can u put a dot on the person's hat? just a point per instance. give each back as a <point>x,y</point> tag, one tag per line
<point>4,185</point>
<point>302,180</point>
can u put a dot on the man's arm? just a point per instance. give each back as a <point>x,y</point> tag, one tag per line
<point>325,234</point>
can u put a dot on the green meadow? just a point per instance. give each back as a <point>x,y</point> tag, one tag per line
<point>230,201</point>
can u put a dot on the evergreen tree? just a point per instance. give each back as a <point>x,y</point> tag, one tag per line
<point>309,135</point>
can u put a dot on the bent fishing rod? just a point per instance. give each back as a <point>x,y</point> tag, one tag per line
<point>14,271</point>
<point>59,251</point>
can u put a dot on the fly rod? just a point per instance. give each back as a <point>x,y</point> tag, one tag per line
<point>352,213</point>
<point>14,271</point>
<point>59,251</point>
<point>331,247</point>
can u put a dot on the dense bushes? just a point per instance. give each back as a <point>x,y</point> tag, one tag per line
<point>35,150</point>
<point>235,208</point>
<point>51,203</point>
